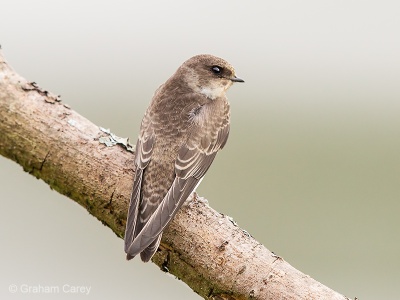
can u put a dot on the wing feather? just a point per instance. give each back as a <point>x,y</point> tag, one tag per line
<point>190,166</point>
<point>143,152</point>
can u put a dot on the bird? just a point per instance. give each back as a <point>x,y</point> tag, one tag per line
<point>185,125</point>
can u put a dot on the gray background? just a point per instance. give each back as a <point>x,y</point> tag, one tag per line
<point>312,166</point>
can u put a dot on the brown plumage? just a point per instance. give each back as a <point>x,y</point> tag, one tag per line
<point>185,125</point>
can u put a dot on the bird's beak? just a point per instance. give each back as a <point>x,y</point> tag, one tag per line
<point>236,79</point>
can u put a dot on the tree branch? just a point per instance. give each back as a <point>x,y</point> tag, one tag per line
<point>202,247</point>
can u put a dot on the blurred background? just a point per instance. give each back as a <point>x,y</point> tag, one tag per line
<point>312,165</point>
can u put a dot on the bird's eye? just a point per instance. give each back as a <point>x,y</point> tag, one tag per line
<point>216,69</point>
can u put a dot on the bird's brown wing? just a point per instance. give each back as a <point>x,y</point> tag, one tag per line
<point>143,152</point>
<point>194,159</point>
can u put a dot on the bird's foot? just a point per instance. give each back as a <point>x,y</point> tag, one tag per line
<point>277,257</point>
<point>193,198</point>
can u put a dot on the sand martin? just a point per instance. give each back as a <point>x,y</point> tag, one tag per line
<point>185,125</point>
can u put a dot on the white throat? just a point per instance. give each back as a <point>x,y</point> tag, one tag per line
<point>212,93</point>
<point>212,90</point>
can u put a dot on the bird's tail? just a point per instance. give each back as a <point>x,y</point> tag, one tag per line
<point>148,253</point>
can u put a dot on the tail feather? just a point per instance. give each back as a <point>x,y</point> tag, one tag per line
<point>148,253</point>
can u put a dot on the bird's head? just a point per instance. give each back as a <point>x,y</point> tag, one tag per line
<point>208,75</point>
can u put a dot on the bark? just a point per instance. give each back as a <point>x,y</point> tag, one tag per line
<point>202,247</point>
